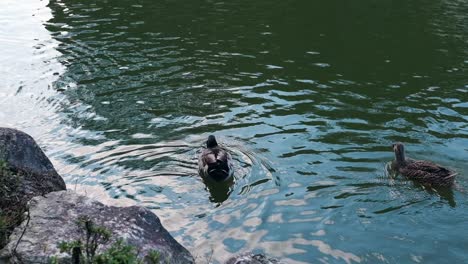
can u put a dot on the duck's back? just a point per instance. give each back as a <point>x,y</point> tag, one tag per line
<point>428,172</point>
<point>215,163</point>
<point>214,155</point>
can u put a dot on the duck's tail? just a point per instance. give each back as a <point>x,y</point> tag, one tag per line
<point>219,171</point>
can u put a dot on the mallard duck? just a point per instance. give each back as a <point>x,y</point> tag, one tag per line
<point>215,162</point>
<point>425,172</point>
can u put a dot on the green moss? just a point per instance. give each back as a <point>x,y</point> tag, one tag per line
<point>12,207</point>
<point>3,228</point>
<point>3,164</point>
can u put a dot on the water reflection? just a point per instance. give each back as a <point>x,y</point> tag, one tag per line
<point>219,192</point>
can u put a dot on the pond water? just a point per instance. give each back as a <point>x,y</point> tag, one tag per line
<point>307,95</point>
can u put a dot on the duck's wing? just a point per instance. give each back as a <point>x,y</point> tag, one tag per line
<point>215,155</point>
<point>421,169</point>
<point>215,163</point>
<point>222,155</point>
<point>208,156</point>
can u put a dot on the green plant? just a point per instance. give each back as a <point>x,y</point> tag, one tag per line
<point>153,256</point>
<point>69,246</point>
<point>94,236</point>
<point>53,260</point>
<point>118,253</point>
<point>84,250</point>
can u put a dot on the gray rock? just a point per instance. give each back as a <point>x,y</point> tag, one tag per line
<point>250,258</point>
<point>53,219</point>
<point>24,156</point>
<point>25,172</point>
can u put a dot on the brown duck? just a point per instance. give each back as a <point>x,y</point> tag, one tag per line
<point>425,172</point>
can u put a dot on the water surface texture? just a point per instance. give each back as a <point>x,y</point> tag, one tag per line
<point>307,95</point>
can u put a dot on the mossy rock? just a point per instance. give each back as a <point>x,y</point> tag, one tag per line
<point>25,172</point>
<point>52,219</point>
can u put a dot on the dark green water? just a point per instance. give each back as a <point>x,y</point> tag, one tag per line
<point>308,95</point>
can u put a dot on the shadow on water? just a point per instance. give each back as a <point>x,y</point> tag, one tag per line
<point>219,191</point>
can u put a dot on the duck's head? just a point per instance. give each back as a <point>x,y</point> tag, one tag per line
<point>211,142</point>
<point>399,150</point>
